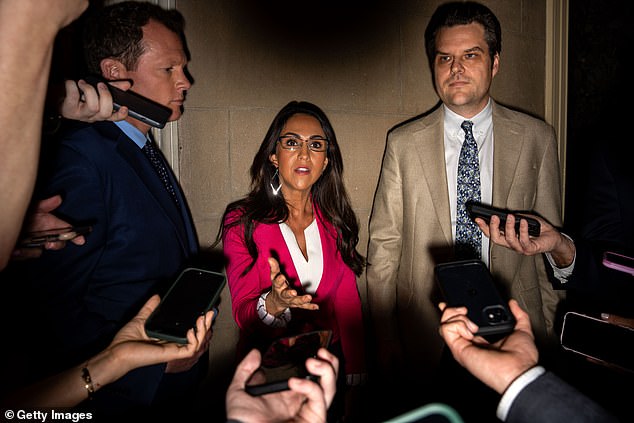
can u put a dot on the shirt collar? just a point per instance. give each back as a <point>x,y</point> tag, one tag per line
<point>481,123</point>
<point>132,132</point>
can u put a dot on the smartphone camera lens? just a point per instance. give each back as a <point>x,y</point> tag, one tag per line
<point>495,315</point>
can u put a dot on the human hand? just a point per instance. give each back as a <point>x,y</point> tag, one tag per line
<point>41,219</point>
<point>497,364</point>
<point>132,348</point>
<point>84,102</point>
<point>550,240</point>
<point>282,296</point>
<point>184,364</point>
<point>305,401</point>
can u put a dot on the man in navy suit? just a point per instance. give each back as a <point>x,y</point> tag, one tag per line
<point>142,234</point>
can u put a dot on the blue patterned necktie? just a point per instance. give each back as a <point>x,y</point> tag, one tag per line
<point>468,235</point>
<point>155,158</point>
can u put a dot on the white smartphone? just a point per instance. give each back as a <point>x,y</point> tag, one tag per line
<point>619,262</point>
<point>599,340</point>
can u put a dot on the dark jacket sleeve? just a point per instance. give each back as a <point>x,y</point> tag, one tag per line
<point>549,399</point>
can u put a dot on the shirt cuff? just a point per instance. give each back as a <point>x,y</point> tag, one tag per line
<point>267,318</point>
<point>562,273</point>
<point>515,388</point>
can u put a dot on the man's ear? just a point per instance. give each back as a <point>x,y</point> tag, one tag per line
<point>113,69</point>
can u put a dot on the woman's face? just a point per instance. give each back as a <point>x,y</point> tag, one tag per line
<point>300,167</point>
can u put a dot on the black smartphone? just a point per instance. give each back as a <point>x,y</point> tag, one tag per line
<point>469,283</point>
<point>286,358</point>
<point>619,262</point>
<point>599,340</point>
<point>194,293</point>
<point>139,107</point>
<point>37,239</point>
<point>485,212</point>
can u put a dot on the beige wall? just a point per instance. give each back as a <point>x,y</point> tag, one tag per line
<point>369,72</point>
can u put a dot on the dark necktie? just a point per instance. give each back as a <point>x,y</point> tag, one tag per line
<point>155,158</point>
<point>468,235</point>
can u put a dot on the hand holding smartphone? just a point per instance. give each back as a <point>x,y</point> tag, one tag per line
<point>485,212</point>
<point>469,283</point>
<point>139,107</point>
<point>194,293</point>
<point>286,358</point>
<point>38,239</point>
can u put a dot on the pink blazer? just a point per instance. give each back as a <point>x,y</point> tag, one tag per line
<point>337,294</point>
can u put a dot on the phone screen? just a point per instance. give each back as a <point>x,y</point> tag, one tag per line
<point>599,340</point>
<point>192,294</point>
<point>286,358</point>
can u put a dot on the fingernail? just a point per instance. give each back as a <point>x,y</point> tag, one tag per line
<point>605,316</point>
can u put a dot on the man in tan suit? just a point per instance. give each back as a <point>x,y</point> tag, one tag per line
<point>413,221</point>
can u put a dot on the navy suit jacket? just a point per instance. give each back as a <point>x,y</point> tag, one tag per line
<point>139,242</point>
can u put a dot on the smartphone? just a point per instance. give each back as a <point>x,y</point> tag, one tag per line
<point>469,283</point>
<point>597,339</point>
<point>619,262</point>
<point>194,293</point>
<point>37,239</point>
<point>485,212</point>
<point>139,107</point>
<point>286,358</point>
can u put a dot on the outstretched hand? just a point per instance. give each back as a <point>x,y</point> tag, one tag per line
<point>282,295</point>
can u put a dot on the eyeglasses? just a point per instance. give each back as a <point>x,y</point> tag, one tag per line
<point>294,143</point>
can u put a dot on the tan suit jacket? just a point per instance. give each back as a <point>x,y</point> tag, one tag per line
<point>410,230</point>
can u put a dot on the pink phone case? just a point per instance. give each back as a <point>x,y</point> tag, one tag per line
<point>619,262</point>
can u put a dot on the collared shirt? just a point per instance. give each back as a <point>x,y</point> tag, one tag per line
<point>483,134</point>
<point>453,139</point>
<point>133,133</point>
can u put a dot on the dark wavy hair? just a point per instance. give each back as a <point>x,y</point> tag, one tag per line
<point>328,193</point>
<point>116,32</point>
<point>463,13</point>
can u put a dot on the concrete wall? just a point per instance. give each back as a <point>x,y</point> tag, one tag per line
<point>362,62</point>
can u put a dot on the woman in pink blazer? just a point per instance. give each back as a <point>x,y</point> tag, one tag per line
<point>290,244</point>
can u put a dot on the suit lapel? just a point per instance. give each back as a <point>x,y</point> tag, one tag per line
<point>430,149</point>
<point>133,155</point>
<point>508,142</point>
